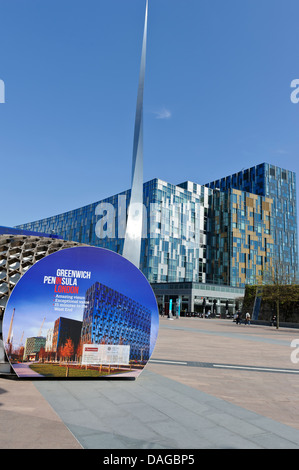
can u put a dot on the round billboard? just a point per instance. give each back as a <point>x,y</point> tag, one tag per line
<point>81,312</point>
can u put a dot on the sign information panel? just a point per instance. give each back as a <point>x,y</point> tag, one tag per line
<point>106,354</point>
<point>78,310</point>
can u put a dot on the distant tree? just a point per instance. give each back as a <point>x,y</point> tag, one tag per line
<point>21,352</point>
<point>68,349</point>
<point>51,355</point>
<point>60,353</point>
<point>277,286</point>
<point>239,303</point>
<point>68,353</point>
<point>42,353</point>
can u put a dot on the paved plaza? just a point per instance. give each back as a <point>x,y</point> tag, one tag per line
<point>210,384</point>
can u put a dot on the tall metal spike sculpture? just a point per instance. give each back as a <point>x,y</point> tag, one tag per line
<point>133,235</point>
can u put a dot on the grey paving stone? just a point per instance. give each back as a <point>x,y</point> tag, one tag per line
<point>273,441</point>
<point>156,412</point>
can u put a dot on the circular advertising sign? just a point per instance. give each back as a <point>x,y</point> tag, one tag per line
<point>81,312</point>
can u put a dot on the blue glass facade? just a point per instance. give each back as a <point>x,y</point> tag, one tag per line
<point>173,246</point>
<point>240,243</point>
<point>224,232</point>
<point>113,318</point>
<point>279,185</point>
<point>15,231</point>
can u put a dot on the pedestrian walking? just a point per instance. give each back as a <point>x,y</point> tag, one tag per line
<point>247,318</point>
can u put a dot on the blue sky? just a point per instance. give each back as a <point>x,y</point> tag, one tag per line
<point>216,99</point>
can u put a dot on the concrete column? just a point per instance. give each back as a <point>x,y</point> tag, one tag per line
<point>191,302</point>
<point>218,307</point>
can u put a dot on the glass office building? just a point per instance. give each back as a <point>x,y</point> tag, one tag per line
<point>174,229</point>
<point>111,317</point>
<point>64,329</point>
<point>222,233</point>
<point>240,243</point>
<point>33,346</point>
<point>279,185</point>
